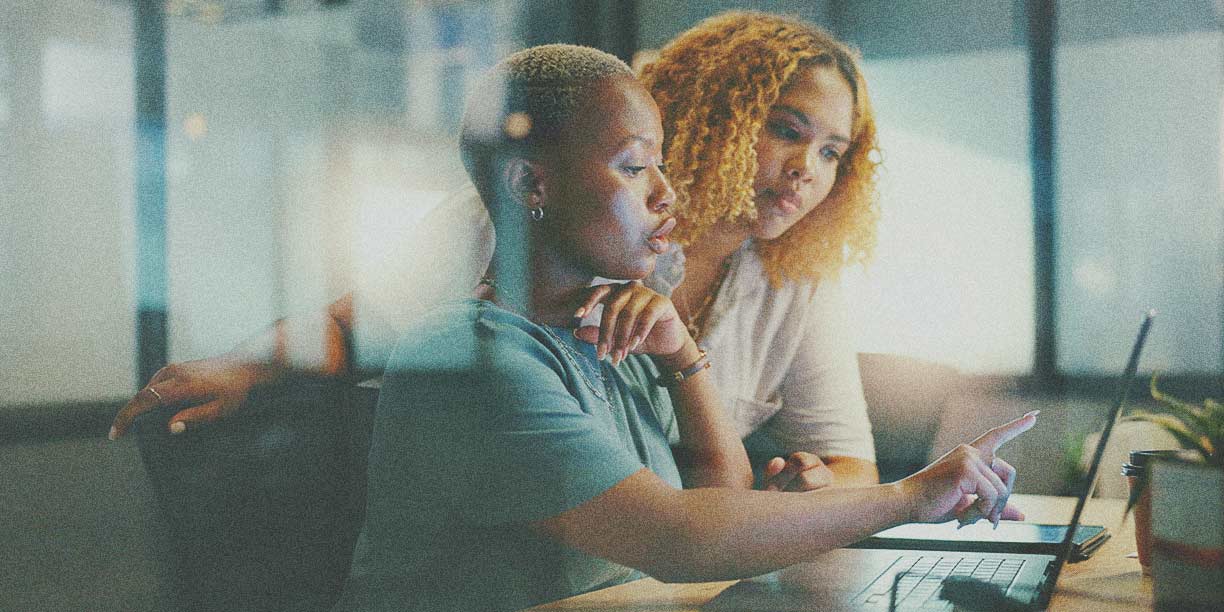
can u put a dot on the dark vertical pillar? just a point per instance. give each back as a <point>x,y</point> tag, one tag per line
<point>585,21</point>
<point>610,25</point>
<point>1219,388</point>
<point>547,21</point>
<point>623,35</point>
<point>838,13</point>
<point>151,276</point>
<point>1042,38</point>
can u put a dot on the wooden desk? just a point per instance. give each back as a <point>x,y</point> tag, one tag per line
<point>1109,580</point>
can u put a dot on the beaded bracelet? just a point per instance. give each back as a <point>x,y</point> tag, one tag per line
<point>702,362</point>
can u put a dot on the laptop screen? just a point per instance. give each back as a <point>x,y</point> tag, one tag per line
<point>1090,478</point>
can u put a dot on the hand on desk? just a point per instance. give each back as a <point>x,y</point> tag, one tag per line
<point>970,482</point>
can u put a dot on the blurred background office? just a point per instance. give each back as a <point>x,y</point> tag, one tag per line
<point>175,175</point>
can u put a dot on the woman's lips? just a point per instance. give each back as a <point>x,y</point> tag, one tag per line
<point>787,202</point>
<point>658,240</point>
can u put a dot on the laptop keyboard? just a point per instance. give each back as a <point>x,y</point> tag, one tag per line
<point>917,580</point>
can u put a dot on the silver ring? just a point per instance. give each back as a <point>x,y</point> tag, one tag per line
<point>155,394</point>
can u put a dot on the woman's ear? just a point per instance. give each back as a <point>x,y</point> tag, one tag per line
<point>524,182</point>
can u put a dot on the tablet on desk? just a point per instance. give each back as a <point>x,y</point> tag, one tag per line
<point>1010,537</point>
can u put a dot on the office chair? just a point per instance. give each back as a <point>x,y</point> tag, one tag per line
<point>906,400</point>
<point>260,512</point>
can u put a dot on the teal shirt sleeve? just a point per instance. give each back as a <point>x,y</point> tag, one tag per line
<point>494,424</point>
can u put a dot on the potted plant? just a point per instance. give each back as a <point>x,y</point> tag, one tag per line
<point>1187,503</point>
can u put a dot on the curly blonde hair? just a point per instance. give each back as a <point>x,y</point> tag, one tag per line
<point>715,85</point>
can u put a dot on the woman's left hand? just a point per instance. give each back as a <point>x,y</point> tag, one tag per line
<point>799,471</point>
<point>635,319</point>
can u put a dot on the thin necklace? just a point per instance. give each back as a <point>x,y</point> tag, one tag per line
<point>698,318</point>
<point>573,355</point>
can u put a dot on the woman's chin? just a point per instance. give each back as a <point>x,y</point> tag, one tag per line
<point>767,232</point>
<point>629,271</point>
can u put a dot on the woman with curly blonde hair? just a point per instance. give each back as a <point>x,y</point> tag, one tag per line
<point>771,148</point>
<point>770,144</point>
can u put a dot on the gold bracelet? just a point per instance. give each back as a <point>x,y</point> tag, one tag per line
<point>702,363</point>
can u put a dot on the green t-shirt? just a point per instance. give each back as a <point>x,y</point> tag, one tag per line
<point>486,422</point>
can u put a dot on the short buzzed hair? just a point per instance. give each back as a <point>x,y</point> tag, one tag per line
<point>520,106</point>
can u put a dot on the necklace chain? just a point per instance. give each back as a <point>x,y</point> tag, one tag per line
<point>698,318</point>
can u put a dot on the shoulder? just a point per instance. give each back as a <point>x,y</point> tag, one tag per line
<point>471,334</point>
<point>748,276</point>
<point>824,291</point>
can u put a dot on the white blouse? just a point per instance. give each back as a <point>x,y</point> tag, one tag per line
<point>783,360</point>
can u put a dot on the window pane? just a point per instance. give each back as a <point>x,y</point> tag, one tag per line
<point>66,193</point>
<point>953,276</point>
<point>304,143</point>
<point>1141,221</point>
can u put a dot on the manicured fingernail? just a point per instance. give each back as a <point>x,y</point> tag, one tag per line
<point>636,341</point>
<point>178,427</point>
<point>112,434</point>
<point>1032,413</point>
<point>601,350</point>
<point>581,312</point>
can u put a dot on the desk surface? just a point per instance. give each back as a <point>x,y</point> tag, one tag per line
<point>1110,579</point>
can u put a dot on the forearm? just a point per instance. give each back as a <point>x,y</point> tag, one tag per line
<point>852,471</point>
<point>710,452</point>
<point>316,344</point>
<point>694,535</point>
<point>723,533</point>
<point>736,534</point>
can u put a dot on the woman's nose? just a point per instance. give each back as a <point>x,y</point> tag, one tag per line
<point>800,166</point>
<point>663,196</point>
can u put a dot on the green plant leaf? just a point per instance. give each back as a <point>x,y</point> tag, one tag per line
<point>1177,428</point>
<point>1215,413</point>
<point>1169,400</point>
<point>1206,421</point>
<point>1193,416</point>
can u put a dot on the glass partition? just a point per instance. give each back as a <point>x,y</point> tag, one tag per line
<point>1141,203</point>
<point>953,279</point>
<point>303,145</point>
<point>66,201</point>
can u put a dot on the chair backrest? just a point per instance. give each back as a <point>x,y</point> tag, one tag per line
<point>906,399</point>
<point>262,510</point>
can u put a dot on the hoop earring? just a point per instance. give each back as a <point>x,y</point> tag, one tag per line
<point>537,213</point>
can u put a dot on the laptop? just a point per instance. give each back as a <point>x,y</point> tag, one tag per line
<point>881,579</point>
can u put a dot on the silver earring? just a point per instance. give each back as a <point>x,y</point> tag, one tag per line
<point>537,213</point>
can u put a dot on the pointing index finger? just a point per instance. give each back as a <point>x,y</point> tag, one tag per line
<point>990,441</point>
